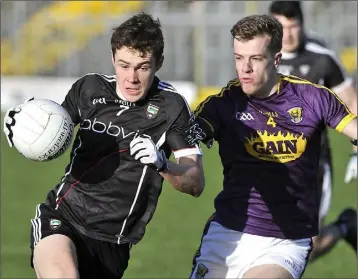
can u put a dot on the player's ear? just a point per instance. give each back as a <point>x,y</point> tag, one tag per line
<point>112,55</point>
<point>159,63</point>
<point>278,59</point>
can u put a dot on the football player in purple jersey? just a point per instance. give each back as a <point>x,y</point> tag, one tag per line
<point>269,128</point>
<point>307,58</point>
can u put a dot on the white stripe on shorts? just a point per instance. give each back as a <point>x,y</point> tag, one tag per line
<point>36,225</point>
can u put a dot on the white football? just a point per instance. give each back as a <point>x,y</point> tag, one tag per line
<point>43,130</point>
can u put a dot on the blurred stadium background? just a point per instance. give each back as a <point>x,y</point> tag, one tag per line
<point>47,45</point>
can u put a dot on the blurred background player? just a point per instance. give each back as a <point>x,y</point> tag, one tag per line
<point>306,56</point>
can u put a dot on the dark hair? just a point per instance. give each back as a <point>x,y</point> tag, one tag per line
<point>256,25</point>
<point>289,9</point>
<point>142,33</point>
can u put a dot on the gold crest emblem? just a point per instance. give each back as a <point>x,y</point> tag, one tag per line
<point>201,271</point>
<point>296,114</point>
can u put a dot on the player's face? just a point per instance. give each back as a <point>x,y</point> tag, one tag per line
<point>292,33</point>
<point>135,72</point>
<point>255,64</point>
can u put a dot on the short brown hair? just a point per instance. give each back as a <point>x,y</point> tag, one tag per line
<point>256,25</point>
<point>142,33</point>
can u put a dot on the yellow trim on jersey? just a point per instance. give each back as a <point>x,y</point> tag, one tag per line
<point>211,126</point>
<point>279,81</point>
<point>294,79</point>
<point>220,94</point>
<point>344,122</point>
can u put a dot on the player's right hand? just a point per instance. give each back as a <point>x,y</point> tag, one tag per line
<point>9,121</point>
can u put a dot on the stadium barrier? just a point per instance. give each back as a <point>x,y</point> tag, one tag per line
<point>16,89</point>
<point>57,30</point>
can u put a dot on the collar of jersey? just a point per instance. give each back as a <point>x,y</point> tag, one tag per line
<point>288,55</point>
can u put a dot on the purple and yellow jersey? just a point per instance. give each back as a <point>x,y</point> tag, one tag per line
<point>270,149</point>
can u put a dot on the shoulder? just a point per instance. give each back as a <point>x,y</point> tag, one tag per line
<point>301,87</point>
<point>323,52</point>
<point>313,37</point>
<point>173,99</point>
<point>96,79</point>
<point>226,92</point>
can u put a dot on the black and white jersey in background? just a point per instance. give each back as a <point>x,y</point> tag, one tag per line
<point>318,64</point>
<point>315,63</point>
<point>105,193</point>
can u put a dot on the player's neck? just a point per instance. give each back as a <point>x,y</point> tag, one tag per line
<point>119,93</point>
<point>270,88</point>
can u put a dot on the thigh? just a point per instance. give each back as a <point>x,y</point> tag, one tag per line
<point>55,257</point>
<point>284,259</point>
<point>53,252</point>
<point>101,259</point>
<point>272,271</point>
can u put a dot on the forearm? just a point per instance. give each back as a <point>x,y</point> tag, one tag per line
<point>352,104</point>
<point>349,97</point>
<point>186,177</point>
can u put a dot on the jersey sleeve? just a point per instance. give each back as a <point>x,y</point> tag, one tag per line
<point>176,134</point>
<point>208,117</point>
<point>331,109</point>
<point>72,102</point>
<point>336,77</point>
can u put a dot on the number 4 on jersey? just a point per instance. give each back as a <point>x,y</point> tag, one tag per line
<point>271,122</point>
<point>123,108</point>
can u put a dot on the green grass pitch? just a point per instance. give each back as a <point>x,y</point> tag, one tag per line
<point>175,231</point>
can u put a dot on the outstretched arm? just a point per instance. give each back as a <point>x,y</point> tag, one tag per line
<point>187,175</point>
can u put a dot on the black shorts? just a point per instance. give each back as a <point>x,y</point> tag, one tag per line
<point>96,259</point>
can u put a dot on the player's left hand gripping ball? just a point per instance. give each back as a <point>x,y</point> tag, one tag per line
<point>144,149</point>
<point>9,121</point>
<point>351,172</point>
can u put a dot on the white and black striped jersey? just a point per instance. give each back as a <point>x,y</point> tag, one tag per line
<point>105,193</point>
<point>318,64</point>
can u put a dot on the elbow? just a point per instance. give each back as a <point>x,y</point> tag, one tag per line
<point>198,187</point>
<point>191,182</point>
